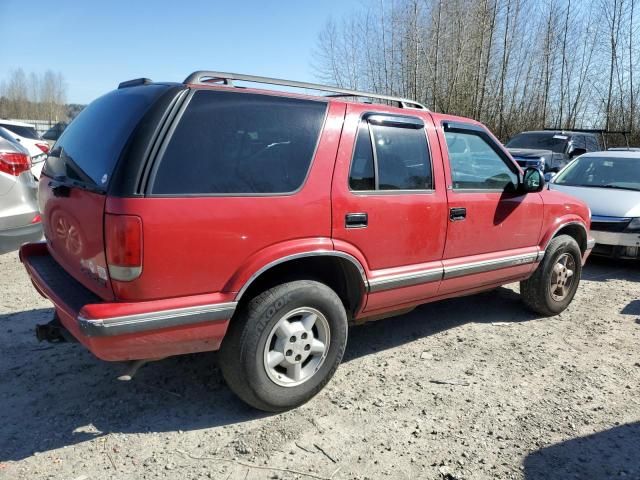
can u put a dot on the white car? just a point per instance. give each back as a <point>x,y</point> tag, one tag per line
<point>609,182</point>
<point>28,137</point>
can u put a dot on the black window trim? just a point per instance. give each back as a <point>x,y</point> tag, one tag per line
<point>156,161</point>
<point>396,121</point>
<point>463,127</point>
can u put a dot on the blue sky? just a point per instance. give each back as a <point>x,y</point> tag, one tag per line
<point>97,44</point>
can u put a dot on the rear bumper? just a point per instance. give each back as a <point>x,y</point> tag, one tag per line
<point>132,330</point>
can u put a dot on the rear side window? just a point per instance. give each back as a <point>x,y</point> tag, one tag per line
<point>26,132</point>
<point>90,146</point>
<point>390,157</point>
<point>238,143</point>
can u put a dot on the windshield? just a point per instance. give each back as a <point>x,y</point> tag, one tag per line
<point>603,172</point>
<point>88,149</point>
<point>540,141</point>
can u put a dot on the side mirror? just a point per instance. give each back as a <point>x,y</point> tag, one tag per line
<point>532,180</point>
<point>576,152</point>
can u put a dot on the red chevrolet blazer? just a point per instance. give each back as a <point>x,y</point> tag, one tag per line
<point>200,216</point>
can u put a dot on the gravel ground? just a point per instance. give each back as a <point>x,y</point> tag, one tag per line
<point>472,388</point>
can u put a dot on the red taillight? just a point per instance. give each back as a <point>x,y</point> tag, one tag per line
<point>37,218</point>
<point>43,146</point>
<point>123,239</point>
<point>14,163</point>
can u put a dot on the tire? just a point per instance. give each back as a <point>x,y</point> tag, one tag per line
<point>263,329</point>
<point>538,293</point>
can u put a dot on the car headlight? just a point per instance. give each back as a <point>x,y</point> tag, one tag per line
<point>634,225</point>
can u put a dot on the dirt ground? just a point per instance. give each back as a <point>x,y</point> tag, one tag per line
<point>471,388</point>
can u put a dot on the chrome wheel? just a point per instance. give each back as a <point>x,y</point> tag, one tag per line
<point>562,277</point>
<point>297,347</point>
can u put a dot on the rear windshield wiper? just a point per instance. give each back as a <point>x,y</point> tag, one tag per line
<point>83,180</point>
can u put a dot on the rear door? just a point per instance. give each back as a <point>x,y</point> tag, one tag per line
<point>76,178</point>
<point>492,229</point>
<point>389,203</point>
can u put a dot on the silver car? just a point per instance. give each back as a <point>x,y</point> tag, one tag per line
<point>609,182</point>
<point>19,216</point>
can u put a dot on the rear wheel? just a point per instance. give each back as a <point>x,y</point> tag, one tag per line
<point>285,345</point>
<point>553,285</point>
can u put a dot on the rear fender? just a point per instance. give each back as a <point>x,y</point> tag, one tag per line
<point>273,255</point>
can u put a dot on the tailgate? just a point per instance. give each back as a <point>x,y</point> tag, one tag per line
<point>73,223</point>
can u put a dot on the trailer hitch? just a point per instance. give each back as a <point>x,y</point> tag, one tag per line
<point>53,332</point>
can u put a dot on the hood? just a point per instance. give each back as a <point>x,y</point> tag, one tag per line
<point>529,152</point>
<point>605,202</point>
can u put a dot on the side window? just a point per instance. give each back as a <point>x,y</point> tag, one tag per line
<point>362,175</point>
<point>592,144</point>
<point>579,141</point>
<point>390,157</point>
<point>239,143</point>
<point>475,165</point>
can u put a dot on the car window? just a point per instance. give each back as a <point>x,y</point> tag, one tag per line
<point>26,132</point>
<point>475,165</point>
<point>362,176</point>
<point>592,144</point>
<point>579,141</point>
<point>240,143</point>
<point>401,156</point>
<point>539,141</point>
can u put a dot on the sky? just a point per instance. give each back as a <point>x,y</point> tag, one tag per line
<point>96,44</point>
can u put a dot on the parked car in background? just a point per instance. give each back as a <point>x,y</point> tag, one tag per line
<point>609,182</point>
<point>19,217</point>
<point>295,216</point>
<point>52,135</point>
<point>28,137</point>
<point>551,150</point>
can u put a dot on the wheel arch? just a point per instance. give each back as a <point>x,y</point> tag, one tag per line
<point>339,270</point>
<point>575,229</point>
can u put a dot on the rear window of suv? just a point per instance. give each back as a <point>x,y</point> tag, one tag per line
<point>240,143</point>
<point>89,148</point>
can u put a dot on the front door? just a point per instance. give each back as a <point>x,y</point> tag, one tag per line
<point>389,203</point>
<point>492,229</point>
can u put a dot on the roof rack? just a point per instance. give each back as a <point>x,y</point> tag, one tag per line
<point>204,77</point>
<point>603,132</point>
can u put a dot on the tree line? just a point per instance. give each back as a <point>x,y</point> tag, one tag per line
<point>514,65</point>
<point>36,96</point>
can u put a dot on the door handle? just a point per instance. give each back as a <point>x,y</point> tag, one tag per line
<point>457,214</point>
<point>356,220</point>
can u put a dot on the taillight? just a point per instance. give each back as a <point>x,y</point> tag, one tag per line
<point>123,239</point>
<point>43,146</point>
<point>14,163</point>
<point>37,218</point>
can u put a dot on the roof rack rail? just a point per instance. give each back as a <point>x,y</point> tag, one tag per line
<point>203,77</point>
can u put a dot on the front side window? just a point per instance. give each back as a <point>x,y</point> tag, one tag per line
<point>240,143</point>
<point>475,165</point>
<point>390,158</point>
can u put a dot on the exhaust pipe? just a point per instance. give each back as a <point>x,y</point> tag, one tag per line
<point>53,332</point>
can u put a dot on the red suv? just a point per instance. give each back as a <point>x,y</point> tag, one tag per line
<point>182,218</point>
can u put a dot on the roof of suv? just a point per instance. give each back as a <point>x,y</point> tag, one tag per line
<point>206,78</point>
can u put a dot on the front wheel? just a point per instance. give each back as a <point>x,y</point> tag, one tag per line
<point>285,345</point>
<point>553,285</point>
